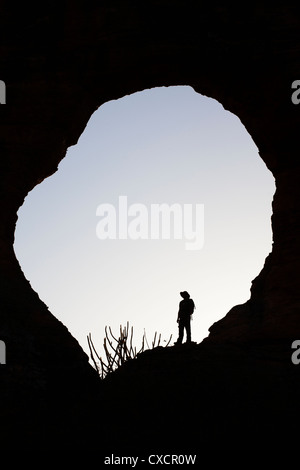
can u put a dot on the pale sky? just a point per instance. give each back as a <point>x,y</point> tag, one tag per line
<point>164,145</point>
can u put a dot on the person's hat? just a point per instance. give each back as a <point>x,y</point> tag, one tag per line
<point>184,294</point>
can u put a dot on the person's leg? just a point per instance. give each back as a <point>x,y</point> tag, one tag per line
<point>180,332</point>
<point>188,331</point>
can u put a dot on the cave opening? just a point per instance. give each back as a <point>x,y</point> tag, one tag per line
<point>165,145</point>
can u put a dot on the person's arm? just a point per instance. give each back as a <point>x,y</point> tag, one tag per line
<point>178,316</point>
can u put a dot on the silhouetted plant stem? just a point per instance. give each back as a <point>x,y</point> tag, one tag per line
<point>121,352</point>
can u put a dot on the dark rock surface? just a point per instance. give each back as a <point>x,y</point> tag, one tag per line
<point>198,397</point>
<point>60,61</point>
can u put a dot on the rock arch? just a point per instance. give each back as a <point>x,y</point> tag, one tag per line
<point>61,62</point>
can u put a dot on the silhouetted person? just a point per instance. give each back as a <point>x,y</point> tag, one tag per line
<point>186,309</point>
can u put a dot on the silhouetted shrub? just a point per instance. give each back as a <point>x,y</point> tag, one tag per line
<point>118,350</point>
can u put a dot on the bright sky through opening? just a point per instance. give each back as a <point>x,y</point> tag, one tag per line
<point>164,145</point>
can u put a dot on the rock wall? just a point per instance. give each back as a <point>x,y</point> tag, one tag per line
<point>60,61</point>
